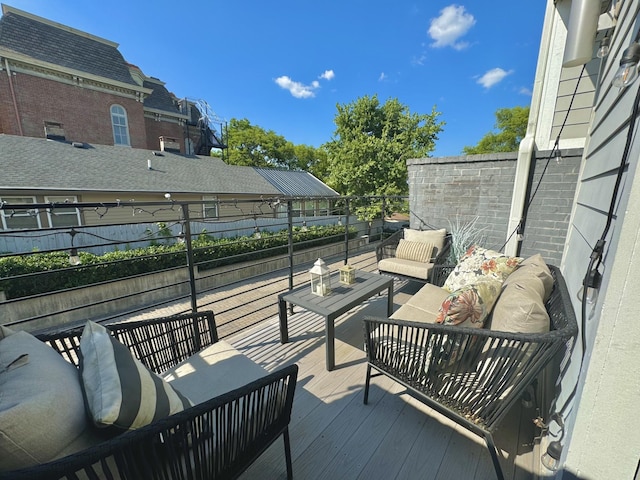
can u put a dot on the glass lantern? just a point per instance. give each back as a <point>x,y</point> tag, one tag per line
<point>347,275</point>
<point>320,279</point>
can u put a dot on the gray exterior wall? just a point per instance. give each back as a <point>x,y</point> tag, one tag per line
<point>447,191</point>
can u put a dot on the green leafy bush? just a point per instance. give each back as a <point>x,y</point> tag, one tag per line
<point>38,273</point>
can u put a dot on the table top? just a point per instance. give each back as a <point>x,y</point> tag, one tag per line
<point>342,297</point>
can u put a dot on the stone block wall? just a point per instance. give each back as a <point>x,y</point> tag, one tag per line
<point>449,190</point>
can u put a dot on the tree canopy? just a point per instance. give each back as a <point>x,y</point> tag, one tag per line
<point>251,145</point>
<point>512,127</point>
<point>371,144</point>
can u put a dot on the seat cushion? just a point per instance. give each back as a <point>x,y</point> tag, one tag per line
<point>435,237</point>
<point>423,306</point>
<point>42,415</point>
<point>120,391</point>
<point>217,369</point>
<point>480,262</point>
<point>409,268</point>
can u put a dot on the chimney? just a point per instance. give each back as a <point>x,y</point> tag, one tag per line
<point>54,131</point>
<point>168,144</point>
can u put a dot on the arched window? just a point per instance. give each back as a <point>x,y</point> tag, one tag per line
<point>120,125</point>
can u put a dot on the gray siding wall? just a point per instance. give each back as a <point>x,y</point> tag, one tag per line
<point>446,191</point>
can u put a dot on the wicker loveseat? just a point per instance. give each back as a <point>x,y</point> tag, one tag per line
<point>411,254</point>
<point>232,420</point>
<point>472,375</point>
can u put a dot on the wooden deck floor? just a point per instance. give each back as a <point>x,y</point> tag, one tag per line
<point>335,436</point>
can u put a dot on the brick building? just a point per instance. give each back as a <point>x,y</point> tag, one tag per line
<point>62,83</point>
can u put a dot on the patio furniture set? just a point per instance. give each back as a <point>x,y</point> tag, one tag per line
<point>165,398</point>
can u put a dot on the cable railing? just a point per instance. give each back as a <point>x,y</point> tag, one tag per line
<point>126,260</point>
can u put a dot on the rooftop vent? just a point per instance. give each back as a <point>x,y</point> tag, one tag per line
<point>168,144</point>
<point>54,131</point>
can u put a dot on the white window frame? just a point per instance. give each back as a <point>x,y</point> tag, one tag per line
<point>63,211</point>
<point>210,202</point>
<point>7,215</point>
<point>120,125</point>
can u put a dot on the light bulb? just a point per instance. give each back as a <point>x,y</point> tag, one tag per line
<point>74,259</point>
<point>551,459</point>
<point>603,51</point>
<point>628,70</point>
<point>558,157</point>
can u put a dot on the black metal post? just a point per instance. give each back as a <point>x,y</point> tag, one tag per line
<point>346,232</point>
<point>190,263</point>
<point>290,246</point>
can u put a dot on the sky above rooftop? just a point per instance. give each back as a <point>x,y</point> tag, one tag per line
<point>286,65</point>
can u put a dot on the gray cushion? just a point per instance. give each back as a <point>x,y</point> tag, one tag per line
<point>42,415</point>
<point>215,370</point>
<point>119,390</point>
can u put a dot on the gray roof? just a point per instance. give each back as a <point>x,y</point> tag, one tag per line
<point>42,40</point>
<point>296,184</point>
<point>35,163</point>
<point>160,98</point>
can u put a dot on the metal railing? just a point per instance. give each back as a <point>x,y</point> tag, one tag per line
<point>172,258</point>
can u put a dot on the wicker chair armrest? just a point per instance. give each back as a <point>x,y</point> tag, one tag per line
<point>215,439</point>
<point>387,248</point>
<point>439,273</point>
<point>159,343</point>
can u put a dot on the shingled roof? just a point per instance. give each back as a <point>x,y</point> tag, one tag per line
<point>160,98</point>
<point>38,164</point>
<point>46,41</point>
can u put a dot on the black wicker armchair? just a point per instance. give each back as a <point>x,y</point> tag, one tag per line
<point>471,375</point>
<point>215,439</point>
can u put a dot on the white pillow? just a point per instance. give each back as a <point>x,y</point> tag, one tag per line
<point>416,251</point>
<point>436,237</point>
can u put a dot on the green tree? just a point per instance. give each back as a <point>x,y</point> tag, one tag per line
<point>251,145</point>
<point>371,144</point>
<point>511,124</point>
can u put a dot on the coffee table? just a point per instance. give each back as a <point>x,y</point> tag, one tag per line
<point>342,299</point>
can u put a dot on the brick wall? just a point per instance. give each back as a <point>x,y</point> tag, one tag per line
<point>155,130</point>
<point>84,113</point>
<point>449,189</point>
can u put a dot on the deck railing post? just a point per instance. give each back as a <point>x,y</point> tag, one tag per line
<point>190,262</point>
<point>290,247</point>
<point>346,232</point>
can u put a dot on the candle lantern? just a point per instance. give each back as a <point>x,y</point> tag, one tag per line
<point>347,275</point>
<point>320,279</point>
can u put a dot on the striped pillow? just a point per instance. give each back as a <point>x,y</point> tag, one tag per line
<point>416,251</point>
<point>119,390</point>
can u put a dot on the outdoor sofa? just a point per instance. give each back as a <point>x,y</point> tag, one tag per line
<point>471,350</point>
<point>411,254</point>
<point>238,408</point>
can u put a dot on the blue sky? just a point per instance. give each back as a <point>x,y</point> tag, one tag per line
<point>285,65</point>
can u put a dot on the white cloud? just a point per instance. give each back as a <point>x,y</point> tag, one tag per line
<point>525,91</point>
<point>454,22</point>
<point>299,89</point>
<point>493,77</point>
<point>382,77</point>
<point>328,75</point>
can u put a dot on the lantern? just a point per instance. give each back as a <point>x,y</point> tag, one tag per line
<point>320,279</point>
<point>347,275</point>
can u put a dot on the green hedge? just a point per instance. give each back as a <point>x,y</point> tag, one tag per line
<point>39,273</point>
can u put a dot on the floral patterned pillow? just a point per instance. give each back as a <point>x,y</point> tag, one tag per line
<point>471,304</point>
<point>479,262</point>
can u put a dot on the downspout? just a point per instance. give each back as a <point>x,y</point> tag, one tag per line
<point>13,97</point>
<point>526,152</point>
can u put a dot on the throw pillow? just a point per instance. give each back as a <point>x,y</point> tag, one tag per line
<point>435,237</point>
<point>479,262</point>
<point>42,415</point>
<point>119,390</point>
<point>533,266</point>
<point>471,304</point>
<point>415,251</point>
<point>520,308</point>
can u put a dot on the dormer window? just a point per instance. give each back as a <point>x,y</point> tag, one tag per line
<point>120,126</point>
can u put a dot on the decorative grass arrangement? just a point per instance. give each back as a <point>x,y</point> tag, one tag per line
<point>464,235</point>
